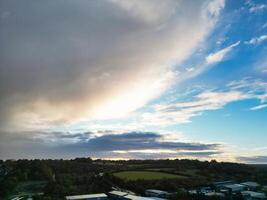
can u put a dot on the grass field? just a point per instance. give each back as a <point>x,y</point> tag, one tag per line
<point>146,175</point>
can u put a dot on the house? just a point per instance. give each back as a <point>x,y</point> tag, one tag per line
<point>250,195</point>
<point>101,196</point>
<point>156,193</point>
<point>233,187</point>
<point>251,185</point>
<point>115,194</point>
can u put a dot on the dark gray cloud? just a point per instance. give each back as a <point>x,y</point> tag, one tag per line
<point>253,159</point>
<point>131,144</point>
<point>140,141</point>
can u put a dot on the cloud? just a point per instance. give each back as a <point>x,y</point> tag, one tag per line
<point>259,107</point>
<point>257,40</point>
<point>178,112</point>
<point>82,60</point>
<point>255,88</point>
<point>256,8</point>
<point>264,25</point>
<point>182,112</point>
<point>253,159</point>
<point>260,66</point>
<point>130,144</point>
<point>220,55</point>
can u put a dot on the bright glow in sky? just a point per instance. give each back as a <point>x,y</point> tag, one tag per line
<point>134,79</point>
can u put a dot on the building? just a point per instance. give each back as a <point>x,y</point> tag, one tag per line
<point>250,185</point>
<point>250,195</point>
<point>156,193</point>
<point>232,188</point>
<point>115,194</point>
<point>222,183</point>
<point>119,195</point>
<point>101,196</point>
<point>134,197</point>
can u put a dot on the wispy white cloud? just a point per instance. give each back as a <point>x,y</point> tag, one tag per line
<point>264,26</point>
<point>183,112</point>
<point>221,54</point>
<point>256,8</point>
<point>256,89</point>
<point>205,62</point>
<point>256,40</point>
<point>259,107</point>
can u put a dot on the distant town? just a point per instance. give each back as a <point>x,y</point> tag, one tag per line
<point>221,190</point>
<point>87,179</point>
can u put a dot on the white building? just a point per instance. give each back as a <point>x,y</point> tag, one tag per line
<point>234,187</point>
<point>250,195</point>
<point>115,194</point>
<point>101,196</point>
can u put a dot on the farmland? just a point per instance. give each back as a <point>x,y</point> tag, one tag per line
<point>146,175</point>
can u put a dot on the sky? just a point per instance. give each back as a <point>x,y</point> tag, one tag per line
<point>129,79</point>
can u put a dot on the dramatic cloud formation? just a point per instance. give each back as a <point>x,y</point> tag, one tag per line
<point>63,62</point>
<point>125,145</point>
<point>116,78</point>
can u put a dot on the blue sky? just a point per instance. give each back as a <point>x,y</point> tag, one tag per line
<point>141,83</point>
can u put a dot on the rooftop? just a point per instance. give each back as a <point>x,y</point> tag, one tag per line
<point>234,186</point>
<point>118,193</point>
<point>134,197</point>
<point>254,194</point>
<point>86,196</point>
<point>250,184</point>
<point>224,182</point>
<point>156,191</point>
<point>214,194</point>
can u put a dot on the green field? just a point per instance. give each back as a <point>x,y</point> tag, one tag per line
<point>146,175</point>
